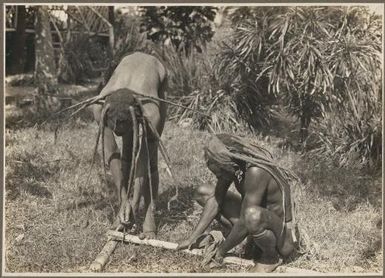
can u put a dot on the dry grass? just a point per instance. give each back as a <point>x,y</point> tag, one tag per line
<point>55,222</point>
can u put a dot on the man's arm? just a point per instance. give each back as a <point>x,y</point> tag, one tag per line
<point>254,187</point>
<point>210,211</point>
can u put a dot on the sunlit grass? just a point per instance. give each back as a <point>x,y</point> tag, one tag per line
<point>56,222</point>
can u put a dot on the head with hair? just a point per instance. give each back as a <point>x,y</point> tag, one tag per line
<point>219,159</point>
<point>116,111</point>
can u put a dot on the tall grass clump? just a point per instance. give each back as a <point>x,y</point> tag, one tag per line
<point>187,70</point>
<point>192,82</point>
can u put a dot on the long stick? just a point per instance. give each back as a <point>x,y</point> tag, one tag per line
<point>119,236</point>
<point>172,103</point>
<point>167,160</point>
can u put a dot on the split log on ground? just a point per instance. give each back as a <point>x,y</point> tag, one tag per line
<point>119,236</point>
<point>102,258</point>
<point>171,246</point>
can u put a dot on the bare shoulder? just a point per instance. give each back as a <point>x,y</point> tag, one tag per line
<point>256,173</point>
<point>256,181</point>
<point>142,57</point>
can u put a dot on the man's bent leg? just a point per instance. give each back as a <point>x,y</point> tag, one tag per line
<point>150,191</point>
<point>112,154</point>
<point>265,229</point>
<point>128,209</point>
<point>149,225</point>
<point>135,202</point>
<point>287,246</point>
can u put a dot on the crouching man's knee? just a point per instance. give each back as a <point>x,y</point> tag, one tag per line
<point>203,193</point>
<point>255,220</point>
<point>265,229</point>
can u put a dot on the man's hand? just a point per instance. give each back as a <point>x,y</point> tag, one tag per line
<point>185,244</point>
<point>217,261</point>
<point>219,256</point>
<point>213,258</point>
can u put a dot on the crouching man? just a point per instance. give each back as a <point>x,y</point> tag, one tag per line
<point>262,211</point>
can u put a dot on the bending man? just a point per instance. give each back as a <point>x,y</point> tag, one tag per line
<point>263,210</point>
<point>121,114</point>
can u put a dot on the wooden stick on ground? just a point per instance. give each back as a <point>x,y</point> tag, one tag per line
<point>119,236</point>
<point>102,258</point>
<point>171,246</point>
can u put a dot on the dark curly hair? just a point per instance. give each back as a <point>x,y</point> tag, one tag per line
<point>118,104</point>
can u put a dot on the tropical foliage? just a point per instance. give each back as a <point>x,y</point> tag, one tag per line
<point>128,38</point>
<point>320,62</point>
<point>185,27</point>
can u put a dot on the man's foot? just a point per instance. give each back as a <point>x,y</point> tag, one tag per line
<point>149,228</point>
<point>117,225</point>
<point>266,265</point>
<point>130,229</point>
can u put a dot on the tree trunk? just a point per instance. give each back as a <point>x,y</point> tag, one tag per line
<point>111,28</point>
<point>18,54</point>
<point>111,15</point>
<point>45,68</point>
<point>65,72</point>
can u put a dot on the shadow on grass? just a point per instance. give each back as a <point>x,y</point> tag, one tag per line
<point>179,209</point>
<point>25,118</point>
<point>18,117</point>
<point>34,189</point>
<point>97,200</point>
<point>24,175</point>
<point>345,188</point>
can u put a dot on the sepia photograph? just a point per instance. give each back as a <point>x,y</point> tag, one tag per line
<point>192,139</point>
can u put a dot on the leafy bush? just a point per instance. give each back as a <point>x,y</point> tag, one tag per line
<point>187,72</point>
<point>320,62</point>
<point>128,39</point>
<point>88,56</point>
<point>350,130</point>
<point>193,83</point>
<point>349,139</point>
<point>185,27</point>
<point>236,68</point>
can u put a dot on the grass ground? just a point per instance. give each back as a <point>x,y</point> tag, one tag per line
<point>56,222</point>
